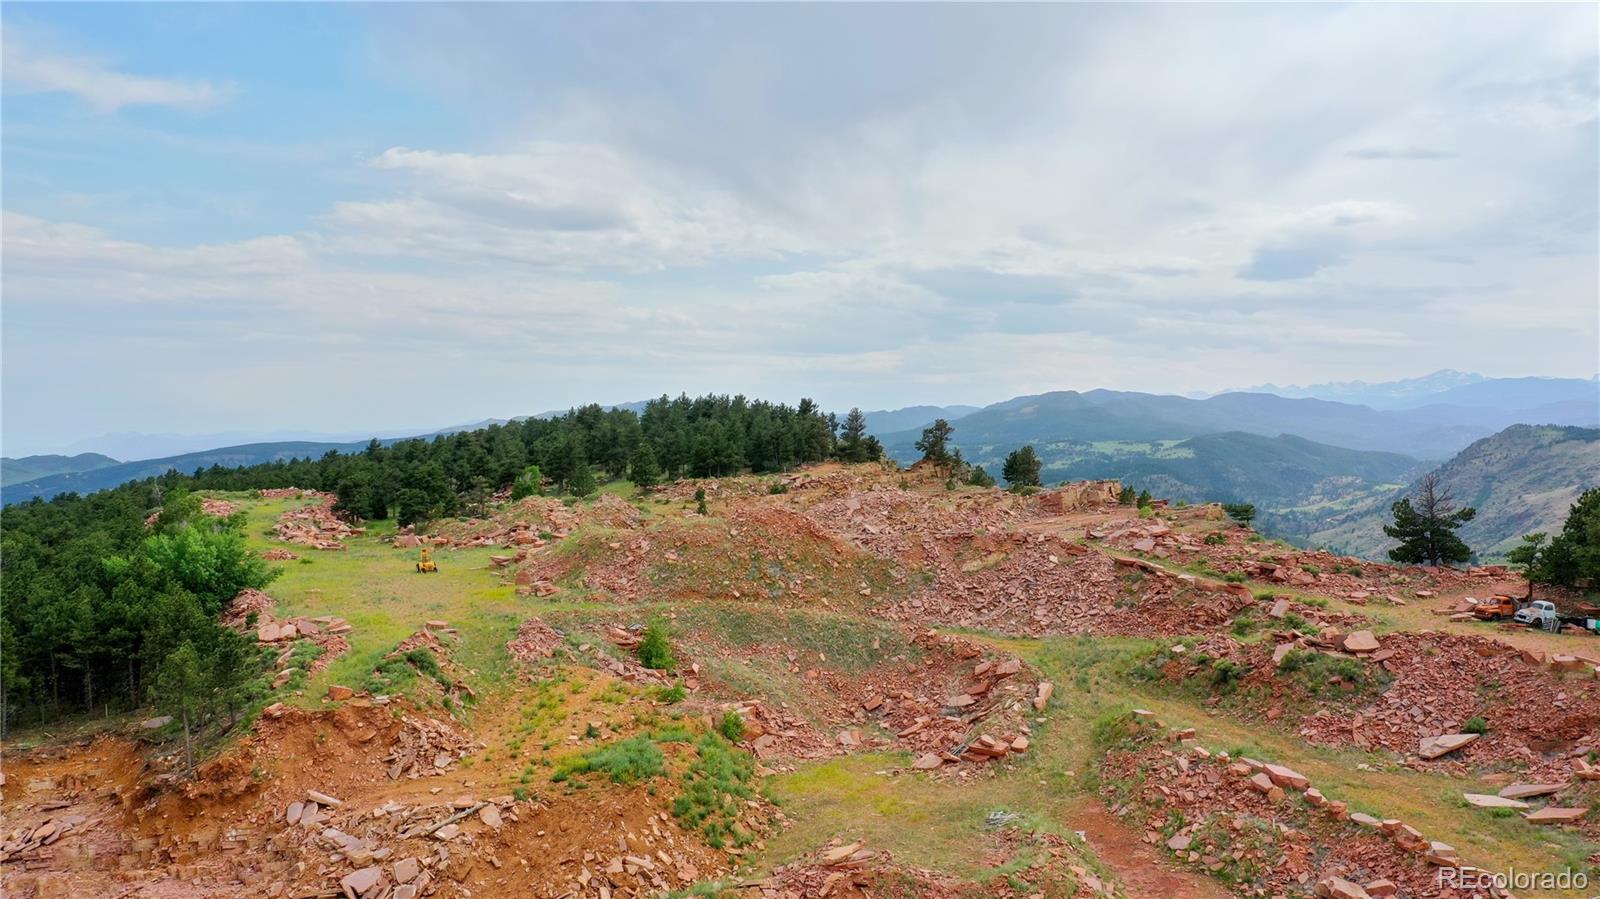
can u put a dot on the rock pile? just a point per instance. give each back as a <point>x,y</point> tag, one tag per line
<point>424,747</point>
<point>327,631</point>
<point>314,525</point>
<point>535,642</point>
<point>1236,817</point>
<point>1536,718</point>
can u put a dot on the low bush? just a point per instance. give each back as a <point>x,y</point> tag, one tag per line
<point>715,789</point>
<point>654,651</point>
<point>731,726</point>
<point>627,761</point>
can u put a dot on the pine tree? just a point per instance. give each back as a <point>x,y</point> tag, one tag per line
<point>980,478</point>
<point>933,443</point>
<point>853,442</point>
<point>1427,530</point>
<point>642,469</point>
<point>582,482</point>
<point>529,483</point>
<point>1022,468</point>
<point>1244,513</point>
<point>1573,554</point>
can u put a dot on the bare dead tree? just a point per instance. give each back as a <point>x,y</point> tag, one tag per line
<point>1434,500</point>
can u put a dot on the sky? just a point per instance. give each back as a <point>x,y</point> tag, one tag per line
<point>334,218</point>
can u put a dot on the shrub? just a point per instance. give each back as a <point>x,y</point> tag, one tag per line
<point>1317,671</point>
<point>1226,672</point>
<point>627,761</point>
<point>1235,577</point>
<point>715,789</point>
<point>654,651</point>
<point>778,488</point>
<point>731,726</point>
<point>1215,539</point>
<point>1294,621</point>
<point>673,694</point>
<point>1146,512</point>
<point>1475,725</point>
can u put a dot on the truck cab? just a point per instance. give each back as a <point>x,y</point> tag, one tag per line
<point>1540,613</point>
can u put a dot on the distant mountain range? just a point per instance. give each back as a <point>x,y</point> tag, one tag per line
<point>1450,388</point>
<point>1433,431</point>
<point>1312,464</point>
<point>101,478</point>
<point>28,468</point>
<point>888,421</point>
<point>1521,480</point>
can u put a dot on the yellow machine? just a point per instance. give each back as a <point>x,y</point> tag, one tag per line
<point>426,563</point>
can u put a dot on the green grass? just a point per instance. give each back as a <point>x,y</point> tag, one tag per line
<point>376,588</point>
<point>625,762</point>
<point>715,789</point>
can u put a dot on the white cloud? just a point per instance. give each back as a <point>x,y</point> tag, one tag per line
<point>30,68</point>
<point>1004,201</point>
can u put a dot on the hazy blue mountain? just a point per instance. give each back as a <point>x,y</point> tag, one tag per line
<point>27,468</point>
<point>134,446</point>
<point>1520,396</point>
<point>1433,432</point>
<point>122,472</point>
<point>1521,393</point>
<point>888,421</point>
<point>1380,394</point>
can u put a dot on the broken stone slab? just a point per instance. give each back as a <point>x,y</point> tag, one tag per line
<point>1381,888</point>
<point>1279,609</point>
<point>153,723</point>
<point>1041,698</point>
<point>1483,800</point>
<point>1444,744</point>
<point>1287,777</point>
<point>1553,815</point>
<point>1179,842</point>
<point>358,883</point>
<point>339,692</point>
<point>405,870</point>
<point>1361,642</point>
<point>927,761</point>
<point>323,799</point>
<point>1530,791</point>
<point>841,853</point>
<point>1335,887</point>
<point>490,815</point>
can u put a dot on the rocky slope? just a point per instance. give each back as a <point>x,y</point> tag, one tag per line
<point>1521,480</point>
